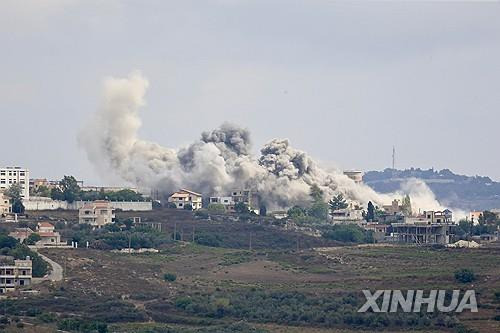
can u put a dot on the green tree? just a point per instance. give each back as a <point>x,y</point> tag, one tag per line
<point>32,239</point>
<point>15,193</point>
<point>70,188</point>
<point>316,193</point>
<point>465,275</point>
<point>406,206</point>
<point>241,208</point>
<point>188,207</point>
<point>7,242</point>
<point>337,202</point>
<point>43,191</point>
<point>56,194</point>
<point>318,210</point>
<point>296,211</point>
<point>370,214</point>
<point>262,210</point>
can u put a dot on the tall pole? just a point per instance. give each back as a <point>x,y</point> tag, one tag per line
<point>193,233</point>
<point>393,157</point>
<point>250,243</point>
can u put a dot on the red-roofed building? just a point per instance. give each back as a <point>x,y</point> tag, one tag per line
<point>47,234</point>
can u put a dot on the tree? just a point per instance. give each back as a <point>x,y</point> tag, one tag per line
<point>316,193</point>
<point>56,194</point>
<point>406,206</point>
<point>262,210</point>
<point>296,211</point>
<point>15,193</point>
<point>43,191</point>
<point>241,208</point>
<point>32,239</point>
<point>337,202</point>
<point>487,217</point>
<point>370,215</point>
<point>7,241</point>
<point>318,210</point>
<point>70,188</point>
<point>465,275</point>
<point>188,207</point>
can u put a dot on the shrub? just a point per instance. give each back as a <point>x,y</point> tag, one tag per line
<point>169,277</point>
<point>465,275</point>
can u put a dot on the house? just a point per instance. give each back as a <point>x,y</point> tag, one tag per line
<point>47,234</point>
<point>5,206</point>
<point>16,274</point>
<point>15,175</point>
<point>379,230</point>
<point>279,214</point>
<point>394,208</point>
<point>184,197</point>
<point>21,234</point>
<point>347,215</point>
<point>97,213</point>
<point>474,217</point>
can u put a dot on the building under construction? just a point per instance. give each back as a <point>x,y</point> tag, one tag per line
<point>429,228</point>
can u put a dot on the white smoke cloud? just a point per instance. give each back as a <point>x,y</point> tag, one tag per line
<point>218,162</point>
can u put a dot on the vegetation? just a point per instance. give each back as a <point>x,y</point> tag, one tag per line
<point>406,206</point>
<point>15,192</point>
<point>465,275</point>
<point>337,202</point>
<point>216,208</point>
<point>32,239</point>
<point>347,233</point>
<point>169,277</point>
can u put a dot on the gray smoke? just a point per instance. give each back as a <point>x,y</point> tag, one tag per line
<point>217,163</point>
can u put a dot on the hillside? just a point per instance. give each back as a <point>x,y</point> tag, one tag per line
<point>453,190</point>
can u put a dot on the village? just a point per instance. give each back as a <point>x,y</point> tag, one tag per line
<point>391,224</point>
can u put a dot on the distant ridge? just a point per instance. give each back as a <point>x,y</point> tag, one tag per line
<point>453,190</point>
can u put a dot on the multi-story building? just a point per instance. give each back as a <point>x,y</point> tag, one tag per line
<point>21,234</point>
<point>5,206</point>
<point>15,275</point>
<point>432,227</point>
<point>48,235</point>
<point>185,197</point>
<point>15,175</point>
<point>97,213</point>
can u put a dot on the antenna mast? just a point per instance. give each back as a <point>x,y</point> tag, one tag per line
<point>393,157</point>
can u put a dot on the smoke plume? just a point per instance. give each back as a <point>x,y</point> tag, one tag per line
<point>219,162</point>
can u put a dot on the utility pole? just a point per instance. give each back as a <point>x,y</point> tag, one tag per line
<point>129,242</point>
<point>250,243</point>
<point>193,233</point>
<point>393,157</point>
<point>175,231</point>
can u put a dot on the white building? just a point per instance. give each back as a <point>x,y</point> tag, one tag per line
<point>15,275</point>
<point>15,175</point>
<point>97,213</point>
<point>185,197</point>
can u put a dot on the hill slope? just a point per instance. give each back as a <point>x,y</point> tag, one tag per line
<point>453,190</point>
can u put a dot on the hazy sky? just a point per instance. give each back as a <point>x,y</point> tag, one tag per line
<point>344,81</point>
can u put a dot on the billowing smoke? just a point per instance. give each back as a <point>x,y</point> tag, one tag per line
<point>219,162</point>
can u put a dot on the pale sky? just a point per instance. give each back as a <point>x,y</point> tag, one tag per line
<point>344,81</point>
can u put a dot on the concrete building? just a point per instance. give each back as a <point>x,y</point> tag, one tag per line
<point>347,215</point>
<point>97,213</point>
<point>185,197</point>
<point>394,208</point>
<point>5,206</point>
<point>355,175</point>
<point>48,235</point>
<point>432,227</point>
<point>248,197</point>
<point>18,274</point>
<point>15,175</point>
